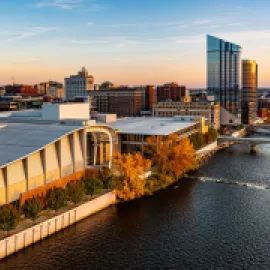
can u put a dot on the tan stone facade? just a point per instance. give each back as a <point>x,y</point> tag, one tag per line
<point>209,110</point>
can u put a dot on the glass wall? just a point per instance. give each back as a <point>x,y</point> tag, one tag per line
<point>223,73</point>
<point>98,149</point>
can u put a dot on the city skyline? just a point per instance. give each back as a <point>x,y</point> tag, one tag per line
<point>144,42</point>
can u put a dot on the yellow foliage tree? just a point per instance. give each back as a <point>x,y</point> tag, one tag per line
<point>171,155</point>
<point>129,185</point>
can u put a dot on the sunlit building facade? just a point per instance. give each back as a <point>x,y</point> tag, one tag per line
<point>79,85</point>
<point>209,110</point>
<point>249,91</point>
<point>41,149</point>
<point>172,92</point>
<point>223,73</point>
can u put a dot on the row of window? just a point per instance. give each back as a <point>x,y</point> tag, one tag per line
<point>182,108</point>
<point>78,82</point>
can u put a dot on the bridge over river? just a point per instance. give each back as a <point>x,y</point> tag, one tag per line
<point>264,126</point>
<point>253,142</point>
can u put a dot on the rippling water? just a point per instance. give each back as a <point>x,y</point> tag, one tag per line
<point>193,225</point>
<point>236,163</point>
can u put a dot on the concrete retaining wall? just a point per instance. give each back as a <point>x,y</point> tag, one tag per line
<point>205,153</point>
<point>38,232</point>
<point>208,148</point>
<point>240,133</point>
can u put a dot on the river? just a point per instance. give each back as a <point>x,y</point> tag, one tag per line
<point>196,224</point>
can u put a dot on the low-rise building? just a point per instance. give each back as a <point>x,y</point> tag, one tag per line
<point>22,90</point>
<point>264,102</point>
<point>50,147</point>
<point>2,91</point>
<point>56,90</point>
<point>17,103</point>
<point>40,149</point>
<point>263,113</point>
<point>51,89</point>
<point>134,131</point>
<point>209,110</point>
<point>42,88</point>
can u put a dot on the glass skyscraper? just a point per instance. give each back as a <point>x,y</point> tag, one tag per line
<point>249,91</point>
<point>223,73</point>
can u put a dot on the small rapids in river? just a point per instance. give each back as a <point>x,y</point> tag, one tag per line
<point>232,182</point>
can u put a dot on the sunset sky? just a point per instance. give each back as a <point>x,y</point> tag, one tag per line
<point>127,41</point>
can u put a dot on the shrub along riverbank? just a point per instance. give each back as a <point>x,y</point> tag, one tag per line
<point>169,158</point>
<point>56,199</point>
<point>200,140</point>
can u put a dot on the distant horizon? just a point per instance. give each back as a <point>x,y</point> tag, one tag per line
<point>133,85</point>
<point>126,42</point>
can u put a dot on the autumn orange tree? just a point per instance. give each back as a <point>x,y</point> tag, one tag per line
<point>130,185</point>
<point>171,155</point>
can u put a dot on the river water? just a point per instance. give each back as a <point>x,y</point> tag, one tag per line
<point>196,224</point>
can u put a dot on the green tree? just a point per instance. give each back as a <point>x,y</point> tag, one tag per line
<point>211,136</point>
<point>198,140</point>
<point>75,191</point>
<point>9,217</point>
<point>56,198</point>
<point>93,186</point>
<point>105,175</point>
<point>33,207</point>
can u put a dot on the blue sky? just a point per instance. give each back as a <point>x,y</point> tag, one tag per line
<point>127,42</point>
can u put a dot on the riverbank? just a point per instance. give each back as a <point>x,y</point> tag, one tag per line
<point>229,225</point>
<point>32,232</point>
<point>205,153</point>
<point>38,232</point>
<point>158,181</point>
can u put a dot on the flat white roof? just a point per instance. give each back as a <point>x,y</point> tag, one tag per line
<point>19,140</point>
<point>150,125</point>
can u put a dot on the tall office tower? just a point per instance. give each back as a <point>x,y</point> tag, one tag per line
<point>223,72</point>
<point>249,91</point>
<point>79,85</point>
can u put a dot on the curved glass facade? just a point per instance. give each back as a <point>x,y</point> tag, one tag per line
<point>223,73</point>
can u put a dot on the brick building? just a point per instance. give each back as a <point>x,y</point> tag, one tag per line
<point>123,101</point>
<point>172,92</point>
<point>22,90</point>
